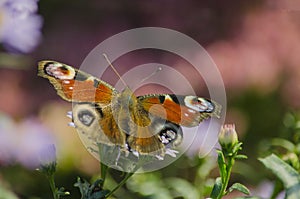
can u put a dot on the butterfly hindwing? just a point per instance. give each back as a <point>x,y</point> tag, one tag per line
<point>96,125</point>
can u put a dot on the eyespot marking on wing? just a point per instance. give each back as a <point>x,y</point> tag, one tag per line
<point>59,71</point>
<point>86,117</point>
<point>199,104</point>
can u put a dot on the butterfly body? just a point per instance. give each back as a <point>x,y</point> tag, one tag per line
<point>145,125</point>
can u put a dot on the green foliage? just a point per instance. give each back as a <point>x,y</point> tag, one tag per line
<point>217,189</point>
<point>91,191</point>
<point>6,194</point>
<point>287,175</point>
<point>239,187</point>
<point>163,184</point>
<point>49,171</point>
<point>48,168</point>
<point>226,158</point>
<point>153,186</point>
<point>285,165</point>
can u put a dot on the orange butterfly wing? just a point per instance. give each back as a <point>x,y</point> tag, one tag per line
<point>74,85</point>
<point>187,111</point>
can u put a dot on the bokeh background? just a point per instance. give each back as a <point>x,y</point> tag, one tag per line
<point>255,44</point>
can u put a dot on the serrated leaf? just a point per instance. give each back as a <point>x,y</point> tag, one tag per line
<point>287,174</point>
<point>239,187</point>
<point>217,188</point>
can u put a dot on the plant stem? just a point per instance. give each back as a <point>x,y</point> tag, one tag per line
<point>128,175</point>
<point>225,181</point>
<point>104,169</point>
<point>53,187</point>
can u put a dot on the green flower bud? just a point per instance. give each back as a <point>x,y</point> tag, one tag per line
<point>228,137</point>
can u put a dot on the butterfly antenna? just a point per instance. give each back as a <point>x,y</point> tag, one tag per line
<point>114,69</point>
<point>159,68</point>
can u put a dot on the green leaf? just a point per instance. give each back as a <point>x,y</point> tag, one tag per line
<point>104,169</point>
<point>248,197</point>
<point>222,164</point>
<point>289,176</point>
<point>237,148</point>
<point>297,148</point>
<point>62,192</point>
<point>217,188</point>
<point>149,185</point>
<point>91,191</point>
<point>7,194</point>
<point>183,188</point>
<point>239,187</point>
<point>283,143</point>
<point>241,157</point>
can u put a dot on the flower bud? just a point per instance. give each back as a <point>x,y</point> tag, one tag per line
<point>48,160</point>
<point>228,137</point>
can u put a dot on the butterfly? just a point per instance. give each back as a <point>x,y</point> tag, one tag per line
<point>148,125</point>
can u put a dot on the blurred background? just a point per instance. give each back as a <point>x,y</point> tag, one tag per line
<point>255,44</point>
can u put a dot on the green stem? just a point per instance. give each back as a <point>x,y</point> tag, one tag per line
<point>277,189</point>
<point>128,175</point>
<point>53,187</point>
<point>225,181</point>
<point>14,61</point>
<point>104,169</point>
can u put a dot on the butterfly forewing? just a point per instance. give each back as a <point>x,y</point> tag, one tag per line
<point>74,85</point>
<point>187,111</point>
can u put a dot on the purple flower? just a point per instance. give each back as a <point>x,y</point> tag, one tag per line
<point>48,155</point>
<point>27,143</point>
<point>47,159</point>
<point>19,25</point>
